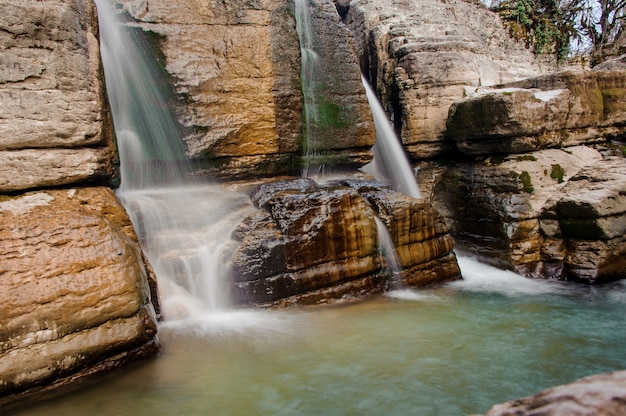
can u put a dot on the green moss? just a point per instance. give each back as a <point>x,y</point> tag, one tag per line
<point>557,173</point>
<point>526,182</point>
<point>331,115</point>
<point>522,158</point>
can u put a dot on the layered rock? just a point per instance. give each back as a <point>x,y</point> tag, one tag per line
<point>602,394</point>
<point>74,292</point>
<point>422,54</point>
<point>559,110</point>
<point>74,299</point>
<point>54,126</point>
<point>312,244</point>
<point>236,67</point>
<point>551,213</point>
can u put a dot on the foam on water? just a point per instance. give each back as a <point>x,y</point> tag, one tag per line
<point>478,276</point>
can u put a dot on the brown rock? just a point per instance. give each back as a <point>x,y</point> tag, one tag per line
<point>55,128</point>
<point>236,67</point>
<point>314,244</point>
<point>564,109</point>
<point>422,54</point>
<point>602,394</point>
<point>74,291</point>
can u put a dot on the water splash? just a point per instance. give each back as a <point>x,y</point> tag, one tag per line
<point>390,162</point>
<point>388,250</point>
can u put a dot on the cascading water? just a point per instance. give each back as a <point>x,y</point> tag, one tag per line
<point>388,250</point>
<point>390,162</point>
<point>184,228</point>
<point>309,66</point>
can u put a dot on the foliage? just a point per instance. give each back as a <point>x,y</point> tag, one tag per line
<point>542,25</point>
<point>565,27</point>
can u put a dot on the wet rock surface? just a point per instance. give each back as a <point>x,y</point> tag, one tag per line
<point>312,244</point>
<point>235,68</point>
<point>74,291</point>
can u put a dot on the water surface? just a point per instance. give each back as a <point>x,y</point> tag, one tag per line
<point>454,350</point>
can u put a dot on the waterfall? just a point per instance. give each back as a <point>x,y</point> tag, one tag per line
<point>151,150</point>
<point>309,67</point>
<point>388,250</point>
<point>184,228</point>
<point>390,161</point>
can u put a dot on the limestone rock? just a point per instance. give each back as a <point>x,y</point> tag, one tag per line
<point>54,124</point>
<point>341,130</point>
<point>602,394</point>
<point>551,213</point>
<point>311,244</point>
<point>74,291</point>
<point>591,216</point>
<point>422,54</point>
<point>236,67</point>
<point>563,109</point>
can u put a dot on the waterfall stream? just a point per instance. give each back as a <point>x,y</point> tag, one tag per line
<point>390,162</point>
<point>184,227</point>
<point>309,66</point>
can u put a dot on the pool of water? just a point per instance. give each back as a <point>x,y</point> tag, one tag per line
<point>453,350</point>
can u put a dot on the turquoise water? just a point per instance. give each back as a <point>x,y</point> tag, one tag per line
<point>454,350</point>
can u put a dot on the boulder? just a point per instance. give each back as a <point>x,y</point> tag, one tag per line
<point>601,394</point>
<point>74,296</point>
<point>55,126</point>
<point>313,244</point>
<point>235,67</point>
<point>559,110</point>
<point>421,55</point>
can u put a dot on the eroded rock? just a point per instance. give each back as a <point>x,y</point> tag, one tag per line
<point>564,109</point>
<point>236,68</point>
<point>421,55</point>
<point>74,291</point>
<point>55,127</point>
<point>551,213</point>
<point>312,244</point>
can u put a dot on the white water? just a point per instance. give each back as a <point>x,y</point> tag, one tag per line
<point>390,162</point>
<point>308,68</point>
<point>388,250</point>
<point>184,228</point>
<point>150,147</point>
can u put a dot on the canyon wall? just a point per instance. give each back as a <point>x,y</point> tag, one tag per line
<point>235,67</point>
<point>420,56</point>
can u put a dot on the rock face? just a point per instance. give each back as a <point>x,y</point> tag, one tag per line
<point>602,394</point>
<point>74,299</point>
<point>313,244</point>
<point>560,110</point>
<point>422,54</point>
<point>236,67</point>
<point>54,128</point>
<point>551,213</point>
<point>74,294</point>
<point>340,130</point>
<point>556,213</point>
